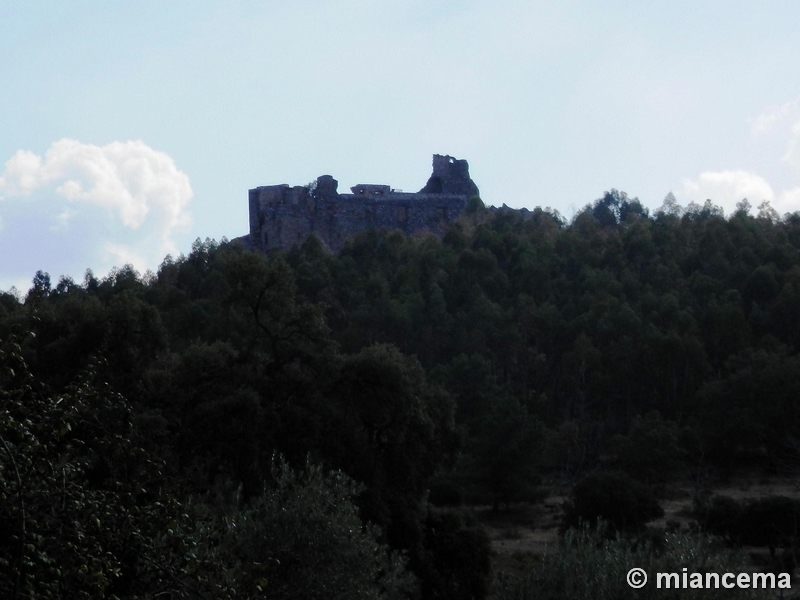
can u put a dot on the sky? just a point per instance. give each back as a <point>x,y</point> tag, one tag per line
<point>129,129</point>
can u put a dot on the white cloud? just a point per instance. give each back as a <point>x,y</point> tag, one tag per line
<point>726,188</point>
<point>778,125</point>
<point>792,155</point>
<point>128,177</point>
<point>783,114</point>
<point>20,175</point>
<point>774,145</point>
<point>788,201</point>
<point>119,254</point>
<point>764,122</point>
<point>97,206</point>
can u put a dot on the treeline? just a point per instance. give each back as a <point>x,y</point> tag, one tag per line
<point>647,343</point>
<point>386,381</point>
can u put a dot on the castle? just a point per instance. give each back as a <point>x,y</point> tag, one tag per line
<point>281,216</point>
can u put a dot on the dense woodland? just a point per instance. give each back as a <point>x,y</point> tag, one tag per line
<point>314,425</point>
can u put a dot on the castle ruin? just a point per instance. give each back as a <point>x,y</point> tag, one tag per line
<point>282,216</point>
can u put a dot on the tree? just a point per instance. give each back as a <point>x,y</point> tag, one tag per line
<point>586,564</point>
<point>303,539</point>
<point>772,521</point>
<point>766,212</point>
<point>670,206</point>
<point>651,450</point>
<point>41,288</point>
<point>392,431</point>
<point>456,560</point>
<point>624,503</point>
<point>86,512</point>
<point>750,414</point>
<point>501,460</point>
<point>82,505</point>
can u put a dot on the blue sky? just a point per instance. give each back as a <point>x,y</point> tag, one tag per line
<point>128,129</point>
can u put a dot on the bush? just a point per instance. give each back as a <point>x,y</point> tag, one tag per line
<point>585,564</point>
<point>501,461</point>
<point>82,506</point>
<point>651,450</point>
<point>446,493</point>
<point>455,561</point>
<point>304,539</point>
<point>624,503</point>
<point>722,516</point>
<point>771,521</point>
<point>86,512</point>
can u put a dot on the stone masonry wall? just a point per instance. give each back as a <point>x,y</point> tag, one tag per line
<point>282,216</point>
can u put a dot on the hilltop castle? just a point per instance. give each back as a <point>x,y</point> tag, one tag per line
<point>281,216</point>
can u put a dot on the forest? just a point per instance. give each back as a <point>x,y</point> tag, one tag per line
<point>313,425</point>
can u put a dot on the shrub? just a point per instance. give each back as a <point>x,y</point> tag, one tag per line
<point>446,493</point>
<point>651,450</point>
<point>81,503</point>
<point>771,521</point>
<point>624,503</point>
<point>304,539</point>
<point>455,562</point>
<point>586,564</point>
<point>722,516</point>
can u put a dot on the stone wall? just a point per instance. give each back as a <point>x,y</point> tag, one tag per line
<point>282,216</point>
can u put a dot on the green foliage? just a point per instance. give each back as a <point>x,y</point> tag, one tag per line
<point>722,516</point>
<point>455,562</point>
<point>586,564</point>
<point>445,492</point>
<point>502,458</point>
<point>81,504</point>
<point>752,411</point>
<point>651,451</point>
<point>393,432</point>
<point>569,448</point>
<point>469,379</point>
<point>71,463</point>
<point>303,539</point>
<point>616,498</point>
<point>519,342</point>
<point>773,521</point>
<point>475,204</point>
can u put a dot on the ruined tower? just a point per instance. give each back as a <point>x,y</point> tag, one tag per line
<point>450,176</point>
<point>281,216</point>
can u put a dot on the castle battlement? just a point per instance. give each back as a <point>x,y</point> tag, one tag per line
<point>282,216</point>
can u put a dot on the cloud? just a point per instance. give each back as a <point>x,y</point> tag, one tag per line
<point>123,255</point>
<point>128,177</point>
<point>779,124</point>
<point>19,177</point>
<point>765,121</point>
<point>792,155</point>
<point>85,206</point>
<point>788,201</point>
<point>784,114</point>
<point>726,188</point>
